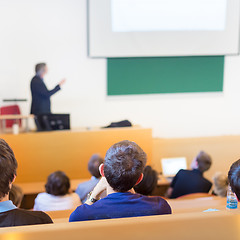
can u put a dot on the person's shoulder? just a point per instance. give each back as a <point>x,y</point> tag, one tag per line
<point>34,217</point>
<point>161,203</point>
<point>74,196</point>
<point>43,195</point>
<point>208,182</point>
<point>81,213</point>
<point>182,172</point>
<point>36,80</point>
<point>83,184</point>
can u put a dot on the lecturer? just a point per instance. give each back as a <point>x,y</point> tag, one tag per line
<point>41,103</point>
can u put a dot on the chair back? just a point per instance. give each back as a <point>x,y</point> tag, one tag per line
<point>194,195</point>
<point>11,110</point>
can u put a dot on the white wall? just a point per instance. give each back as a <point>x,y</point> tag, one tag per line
<point>55,31</point>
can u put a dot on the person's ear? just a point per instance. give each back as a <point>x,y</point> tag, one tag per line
<point>139,179</point>
<point>14,179</point>
<point>236,197</point>
<point>101,170</point>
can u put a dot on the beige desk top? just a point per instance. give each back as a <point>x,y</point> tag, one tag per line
<point>15,117</point>
<point>198,226</point>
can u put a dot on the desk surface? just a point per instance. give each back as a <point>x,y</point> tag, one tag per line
<point>15,117</point>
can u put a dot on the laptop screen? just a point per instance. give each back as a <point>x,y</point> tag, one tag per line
<point>171,166</point>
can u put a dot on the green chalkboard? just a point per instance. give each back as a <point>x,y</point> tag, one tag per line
<point>165,75</point>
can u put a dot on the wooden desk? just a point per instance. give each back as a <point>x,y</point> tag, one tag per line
<point>218,225</point>
<point>40,154</point>
<point>4,118</point>
<point>197,205</point>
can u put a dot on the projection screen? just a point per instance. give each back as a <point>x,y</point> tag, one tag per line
<point>144,28</point>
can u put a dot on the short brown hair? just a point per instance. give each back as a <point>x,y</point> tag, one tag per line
<point>39,67</point>
<point>8,168</point>
<point>124,164</point>
<point>93,165</point>
<point>58,184</point>
<point>234,178</point>
<point>204,161</point>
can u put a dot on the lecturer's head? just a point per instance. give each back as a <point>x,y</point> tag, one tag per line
<point>41,69</point>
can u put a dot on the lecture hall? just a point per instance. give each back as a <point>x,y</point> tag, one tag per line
<point>119,119</point>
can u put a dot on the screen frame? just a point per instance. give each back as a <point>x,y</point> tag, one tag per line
<point>103,43</point>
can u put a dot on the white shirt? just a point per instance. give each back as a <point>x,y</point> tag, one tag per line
<point>48,202</point>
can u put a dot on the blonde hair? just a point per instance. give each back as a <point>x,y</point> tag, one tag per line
<point>220,182</point>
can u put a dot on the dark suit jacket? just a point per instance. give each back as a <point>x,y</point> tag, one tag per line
<point>41,103</point>
<point>187,182</point>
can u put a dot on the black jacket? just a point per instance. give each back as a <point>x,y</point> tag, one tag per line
<point>187,182</point>
<point>41,103</point>
<point>19,217</point>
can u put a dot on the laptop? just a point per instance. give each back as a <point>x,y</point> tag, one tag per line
<point>52,122</point>
<point>171,166</point>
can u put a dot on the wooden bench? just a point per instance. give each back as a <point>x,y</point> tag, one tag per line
<point>178,206</point>
<point>198,226</point>
<point>197,205</point>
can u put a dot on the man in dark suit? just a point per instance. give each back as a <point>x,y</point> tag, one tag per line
<point>192,181</point>
<point>41,103</point>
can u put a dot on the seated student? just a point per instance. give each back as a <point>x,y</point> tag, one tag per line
<point>149,182</point>
<point>220,184</point>
<point>16,195</point>
<point>192,181</point>
<point>10,215</point>
<point>121,171</point>
<point>234,178</point>
<point>85,188</point>
<point>57,195</point>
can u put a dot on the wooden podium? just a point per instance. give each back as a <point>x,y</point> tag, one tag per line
<point>41,153</point>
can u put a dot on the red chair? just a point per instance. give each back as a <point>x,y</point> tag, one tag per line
<point>11,110</point>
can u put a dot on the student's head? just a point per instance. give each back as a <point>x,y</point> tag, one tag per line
<point>202,162</point>
<point>234,178</point>
<point>16,195</point>
<point>94,164</point>
<point>41,69</point>
<point>58,184</point>
<point>220,182</point>
<point>148,183</point>
<point>123,166</point>
<point>8,168</point>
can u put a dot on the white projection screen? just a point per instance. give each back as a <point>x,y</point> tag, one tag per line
<point>145,28</point>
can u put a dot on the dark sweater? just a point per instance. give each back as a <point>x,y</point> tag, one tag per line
<point>19,217</point>
<point>188,182</point>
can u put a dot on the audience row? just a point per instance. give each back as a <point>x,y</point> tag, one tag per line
<point>119,187</point>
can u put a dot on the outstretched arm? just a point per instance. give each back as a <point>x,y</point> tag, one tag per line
<point>41,88</point>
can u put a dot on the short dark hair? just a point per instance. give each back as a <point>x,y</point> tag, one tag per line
<point>124,164</point>
<point>234,178</point>
<point>93,165</point>
<point>8,168</point>
<point>58,184</point>
<point>39,67</point>
<point>149,182</point>
<point>204,161</point>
